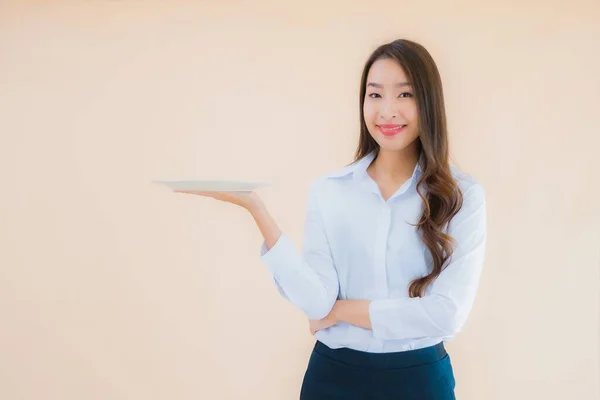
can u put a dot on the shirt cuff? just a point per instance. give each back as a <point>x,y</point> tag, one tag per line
<point>281,257</point>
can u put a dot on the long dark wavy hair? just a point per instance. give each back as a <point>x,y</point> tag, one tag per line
<point>441,196</point>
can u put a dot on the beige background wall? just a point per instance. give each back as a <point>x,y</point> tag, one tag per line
<point>114,288</point>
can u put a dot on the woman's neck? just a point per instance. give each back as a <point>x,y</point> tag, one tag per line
<point>394,166</point>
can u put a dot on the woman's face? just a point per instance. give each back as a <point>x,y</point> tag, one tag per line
<point>389,108</point>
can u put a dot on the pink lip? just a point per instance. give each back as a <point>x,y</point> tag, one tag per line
<point>390,129</point>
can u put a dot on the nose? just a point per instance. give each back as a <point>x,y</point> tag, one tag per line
<point>387,111</point>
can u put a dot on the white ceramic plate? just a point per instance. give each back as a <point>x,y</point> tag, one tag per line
<point>212,185</point>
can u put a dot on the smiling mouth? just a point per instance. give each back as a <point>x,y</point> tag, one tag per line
<point>390,130</point>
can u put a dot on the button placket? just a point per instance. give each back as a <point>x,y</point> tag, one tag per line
<point>384,221</point>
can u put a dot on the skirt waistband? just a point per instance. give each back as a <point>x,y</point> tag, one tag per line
<point>399,359</point>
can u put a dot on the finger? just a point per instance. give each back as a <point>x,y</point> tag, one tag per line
<point>195,192</point>
<point>185,191</point>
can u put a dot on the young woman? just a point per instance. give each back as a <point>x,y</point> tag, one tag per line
<point>393,244</point>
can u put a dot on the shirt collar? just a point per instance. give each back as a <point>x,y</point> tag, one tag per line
<point>359,168</point>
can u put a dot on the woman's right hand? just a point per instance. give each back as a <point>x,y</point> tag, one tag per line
<point>249,200</point>
<point>252,202</point>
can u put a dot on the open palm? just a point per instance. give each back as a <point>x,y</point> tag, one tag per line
<point>245,199</point>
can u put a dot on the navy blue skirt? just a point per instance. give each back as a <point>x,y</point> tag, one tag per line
<point>347,374</point>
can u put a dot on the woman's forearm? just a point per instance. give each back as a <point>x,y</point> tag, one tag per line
<point>355,312</point>
<point>265,222</point>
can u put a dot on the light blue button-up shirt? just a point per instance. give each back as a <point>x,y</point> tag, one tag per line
<point>357,246</point>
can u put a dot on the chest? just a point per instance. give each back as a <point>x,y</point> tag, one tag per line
<point>364,230</point>
<point>387,189</point>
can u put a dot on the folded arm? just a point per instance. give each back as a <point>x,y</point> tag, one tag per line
<point>444,309</point>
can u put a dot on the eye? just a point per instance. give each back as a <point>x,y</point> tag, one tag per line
<point>405,94</point>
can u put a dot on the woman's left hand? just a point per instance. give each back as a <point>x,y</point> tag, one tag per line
<point>316,325</point>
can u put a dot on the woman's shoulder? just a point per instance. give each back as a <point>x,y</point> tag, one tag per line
<point>329,185</point>
<point>319,184</point>
<point>332,176</point>
<point>468,183</point>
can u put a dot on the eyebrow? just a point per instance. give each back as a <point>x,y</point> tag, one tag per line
<point>380,86</point>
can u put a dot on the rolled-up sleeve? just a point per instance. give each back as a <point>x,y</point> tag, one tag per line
<point>306,278</point>
<point>445,307</point>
